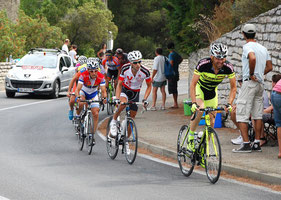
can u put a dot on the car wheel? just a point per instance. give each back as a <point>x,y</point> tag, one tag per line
<point>10,94</point>
<point>56,90</point>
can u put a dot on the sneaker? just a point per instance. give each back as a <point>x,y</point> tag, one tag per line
<point>70,115</point>
<point>128,151</point>
<point>113,129</point>
<point>244,148</point>
<point>237,141</point>
<point>94,142</point>
<point>256,147</point>
<point>162,108</point>
<point>153,108</point>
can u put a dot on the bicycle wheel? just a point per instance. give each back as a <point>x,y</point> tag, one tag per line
<point>109,104</point>
<point>80,136</point>
<point>212,156</point>
<point>185,159</point>
<point>89,133</point>
<point>131,141</point>
<point>112,145</point>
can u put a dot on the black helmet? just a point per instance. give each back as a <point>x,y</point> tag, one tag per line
<point>119,51</point>
<point>109,52</point>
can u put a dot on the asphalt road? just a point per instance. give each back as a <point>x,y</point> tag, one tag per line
<point>39,159</point>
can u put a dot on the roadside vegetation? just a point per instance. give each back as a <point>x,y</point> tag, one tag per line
<point>143,24</point>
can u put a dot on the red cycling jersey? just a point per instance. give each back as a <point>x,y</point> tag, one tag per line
<point>111,64</point>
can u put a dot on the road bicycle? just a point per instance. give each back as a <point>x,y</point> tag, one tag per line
<point>86,127</point>
<point>110,106</point>
<point>207,151</point>
<point>126,138</point>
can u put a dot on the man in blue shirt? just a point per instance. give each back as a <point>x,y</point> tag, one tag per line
<point>175,60</point>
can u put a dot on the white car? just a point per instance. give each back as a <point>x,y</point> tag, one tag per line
<point>41,71</point>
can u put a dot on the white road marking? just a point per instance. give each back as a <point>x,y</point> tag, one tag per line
<point>3,198</point>
<point>28,104</point>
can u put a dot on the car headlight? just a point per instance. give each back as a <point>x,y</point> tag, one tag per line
<point>11,75</point>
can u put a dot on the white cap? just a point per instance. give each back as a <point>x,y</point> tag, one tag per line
<point>249,28</point>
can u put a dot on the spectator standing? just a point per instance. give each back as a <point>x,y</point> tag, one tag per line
<point>175,60</point>
<point>101,52</point>
<point>276,102</point>
<point>65,45</point>
<point>158,79</point>
<point>255,63</point>
<point>73,53</point>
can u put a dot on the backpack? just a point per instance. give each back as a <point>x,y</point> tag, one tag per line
<point>168,70</point>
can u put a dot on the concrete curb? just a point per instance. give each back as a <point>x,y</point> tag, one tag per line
<point>261,176</point>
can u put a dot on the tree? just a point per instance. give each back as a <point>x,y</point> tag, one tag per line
<point>142,25</point>
<point>10,42</point>
<point>88,25</point>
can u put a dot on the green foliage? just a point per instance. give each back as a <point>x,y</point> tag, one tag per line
<point>87,25</point>
<point>10,42</point>
<point>141,24</point>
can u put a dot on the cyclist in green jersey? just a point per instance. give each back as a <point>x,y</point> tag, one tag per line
<point>208,74</point>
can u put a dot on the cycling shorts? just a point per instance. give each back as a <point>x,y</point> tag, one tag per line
<point>112,73</point>
<point>92,96</point>
<point>213,103</point>
<point>131,96</point>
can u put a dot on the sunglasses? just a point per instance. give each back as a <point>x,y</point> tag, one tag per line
<point>136,62</point>
<point>108,55</point>
<point>92,71</point>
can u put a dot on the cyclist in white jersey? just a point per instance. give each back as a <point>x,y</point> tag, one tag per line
<point>128,88</point>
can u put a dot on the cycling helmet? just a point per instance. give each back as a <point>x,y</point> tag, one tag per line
<point>109,52</point>
<point>218,50</point>
<point>82,60</point>
<point>90,59</point>
<point>134,55</point>
<point>119,51</point>
<point>92,64</point>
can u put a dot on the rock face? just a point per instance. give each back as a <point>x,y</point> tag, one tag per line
<point>268,27</point>
<point>11,7</point>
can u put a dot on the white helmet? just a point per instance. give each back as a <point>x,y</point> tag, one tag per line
<point>218,50</point>
<point>134,55</point>
<point>82,60</point>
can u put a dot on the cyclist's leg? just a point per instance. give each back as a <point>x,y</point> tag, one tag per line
<point>95,111</point>
<point>81,105</point>
<point>213,103</point>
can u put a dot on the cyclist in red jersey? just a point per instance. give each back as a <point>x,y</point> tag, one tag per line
<point>112,66</point>
<point>129,84</point>
<point>122,57</point>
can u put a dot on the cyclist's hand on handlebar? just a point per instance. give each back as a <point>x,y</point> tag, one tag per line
<point>68,94</point>
<point>228,108</point>
<point>104,100</point>
<point>145,103</point>
<point>194,107</point>
<point>78,99</point>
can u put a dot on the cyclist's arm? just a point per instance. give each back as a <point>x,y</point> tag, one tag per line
<point>103,91</point>
<point>193,83</point>
<point>118,89</point>
<point>148,89</point>
<point>77,91</point>
<point>74,78</point>
<point>233,89</point>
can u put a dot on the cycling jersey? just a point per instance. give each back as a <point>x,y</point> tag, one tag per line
<point>90,85</point>
<point>132,82</point>
<point>111,64</point>
<point>208,80</point>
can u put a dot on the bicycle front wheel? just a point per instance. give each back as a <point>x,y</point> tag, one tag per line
<point>89,134</point>
<point>112,145</point>
<point>131,141</point>
<point>212,156</point>
<point>185,159</point>
<point>80,136</point>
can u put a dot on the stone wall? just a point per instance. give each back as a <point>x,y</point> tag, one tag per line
<point>11,7</point>
<point>268,34</point>
<point>4,68</point>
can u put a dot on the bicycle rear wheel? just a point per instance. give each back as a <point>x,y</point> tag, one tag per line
<point>112,145</point>
<point>89,133</point>
<point>185,159</point>
<point>212,156</point>
<point>131,141</point>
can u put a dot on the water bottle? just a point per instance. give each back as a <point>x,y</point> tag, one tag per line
<point>199,137</point>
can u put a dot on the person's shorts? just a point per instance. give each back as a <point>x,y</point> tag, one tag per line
<point>276,102</point>
<point>213,103</point>
<point>131,96</point>
<point>93,96</point>
<point>112,73</point>
<point>173,85</point>
<point>250,101</point>
<point>159,84</point>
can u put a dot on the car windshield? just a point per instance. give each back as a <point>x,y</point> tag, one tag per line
<point>38,59</point>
